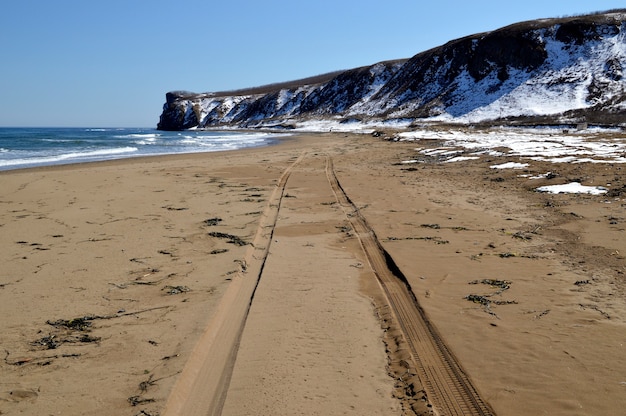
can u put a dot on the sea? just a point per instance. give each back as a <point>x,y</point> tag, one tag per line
<point>31,147</point>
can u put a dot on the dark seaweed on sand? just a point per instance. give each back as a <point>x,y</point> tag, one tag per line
<point>77,324</point>
<point>232,239</point>
<point>210,222</point>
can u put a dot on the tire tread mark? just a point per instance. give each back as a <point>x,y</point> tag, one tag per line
<point>448,387</point>
<point>202,386</point>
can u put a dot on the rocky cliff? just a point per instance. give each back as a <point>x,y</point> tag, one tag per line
<point>566,69</point>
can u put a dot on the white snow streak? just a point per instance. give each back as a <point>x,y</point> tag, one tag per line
<point>573,188</point>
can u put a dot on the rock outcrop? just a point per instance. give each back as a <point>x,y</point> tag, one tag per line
<point>567,69</point>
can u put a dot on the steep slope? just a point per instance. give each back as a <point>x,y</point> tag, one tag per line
<point>567,69</point>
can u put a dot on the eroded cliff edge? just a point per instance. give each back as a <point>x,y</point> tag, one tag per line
<point>549,70</point>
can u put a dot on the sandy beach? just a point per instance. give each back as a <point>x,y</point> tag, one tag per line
<point>318,276</point>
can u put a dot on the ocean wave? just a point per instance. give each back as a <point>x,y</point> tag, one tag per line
<point>138,136</point>
<point>42,146</point>
<point>59,140</point>
<point>219,142</point>
<point>100,154</point>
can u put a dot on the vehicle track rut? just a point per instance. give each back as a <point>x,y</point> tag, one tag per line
<point>447,386</point>
<point>203,383</point>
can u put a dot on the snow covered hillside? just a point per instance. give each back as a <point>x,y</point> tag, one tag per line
<point>566,70</point>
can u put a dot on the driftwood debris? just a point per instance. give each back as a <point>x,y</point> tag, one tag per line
<point>83,323</point>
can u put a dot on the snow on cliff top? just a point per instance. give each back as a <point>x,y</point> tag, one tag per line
<point>559,85</point>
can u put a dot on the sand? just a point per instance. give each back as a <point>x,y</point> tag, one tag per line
<point>248,282</point>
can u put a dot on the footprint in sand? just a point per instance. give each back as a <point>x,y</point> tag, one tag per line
<point>19,395</point>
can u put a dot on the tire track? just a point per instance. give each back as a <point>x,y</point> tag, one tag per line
<point>449,389</point>
<point>203,383</point>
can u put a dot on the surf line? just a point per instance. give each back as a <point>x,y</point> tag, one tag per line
<point>203,383</point>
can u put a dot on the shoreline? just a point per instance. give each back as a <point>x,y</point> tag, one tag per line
<point>67,146</point>
<point>149,158</point>
<point>144,250</point>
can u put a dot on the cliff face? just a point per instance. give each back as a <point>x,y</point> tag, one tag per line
<point>569,68</point>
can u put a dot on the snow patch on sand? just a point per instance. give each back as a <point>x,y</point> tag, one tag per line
<point>572,188</point>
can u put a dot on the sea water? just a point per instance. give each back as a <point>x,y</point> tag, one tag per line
<point>30,147</point>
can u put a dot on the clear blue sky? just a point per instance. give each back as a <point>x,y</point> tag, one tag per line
<point>109,63</point>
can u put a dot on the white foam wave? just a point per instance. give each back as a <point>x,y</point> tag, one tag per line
<point>71,147</point>
<point>138,136</point>
<point>221,142</point>
<point>75,156</point>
